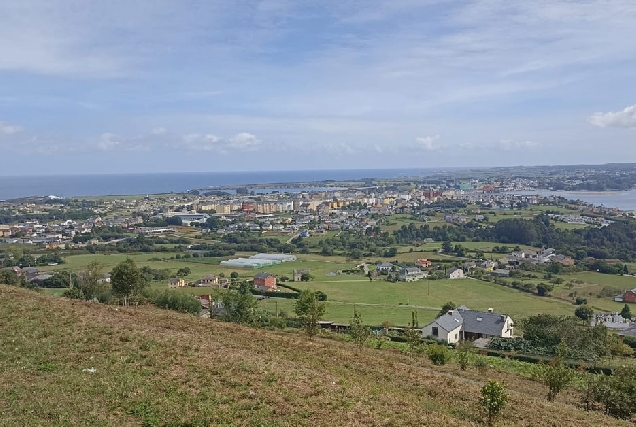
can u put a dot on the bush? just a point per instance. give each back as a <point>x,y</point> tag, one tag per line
<point>493,399</point>
<point>438,354</point>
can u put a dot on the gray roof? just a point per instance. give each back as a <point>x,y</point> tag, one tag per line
<point>482,322</point>
<point>263,275</point>
<point>450,322</point>
<point>410,270</point>
<point>385,265</point>
<point>631,332</point>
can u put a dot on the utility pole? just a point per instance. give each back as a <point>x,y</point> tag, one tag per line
<point>70,280</point>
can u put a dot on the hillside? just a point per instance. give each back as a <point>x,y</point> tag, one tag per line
<point>156,367</point>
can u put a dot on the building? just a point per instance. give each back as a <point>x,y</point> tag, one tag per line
<point>298,274</point>
<point>455,273</point>
<point>411,274</point>
<point>613,321</point>
<point>176,282</point>
<point>384,267</point>
<point>423,263</point>
<point>627,296</point>
<point>265,282</point>
<point>208,280</point>
<point>465,324</point>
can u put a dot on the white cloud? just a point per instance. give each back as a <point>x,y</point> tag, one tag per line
<point>428,143</point>
<point>159,131</point>
<point>108,142</point>
<point>9,129</point>
<point>244,141</point>
<point>509,144</point>
<point>209,142</point>
<point>621,119</point>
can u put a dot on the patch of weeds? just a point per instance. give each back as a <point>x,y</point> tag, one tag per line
<point>270,379</point>
<point>147,414</point>
<point>47,367</point>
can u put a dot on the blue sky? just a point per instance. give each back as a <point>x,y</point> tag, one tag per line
<point>106,87</point>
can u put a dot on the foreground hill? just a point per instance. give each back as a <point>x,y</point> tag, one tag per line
<point>68,362</point>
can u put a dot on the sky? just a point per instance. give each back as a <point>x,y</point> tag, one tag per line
<point>120,86</point>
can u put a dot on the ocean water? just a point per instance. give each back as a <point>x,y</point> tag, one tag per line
<point>623,200</point>
<point>12,187</point>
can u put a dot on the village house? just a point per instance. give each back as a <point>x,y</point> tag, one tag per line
<point>384,267</point>
<point>423,263</point>
<point>265,282</point>
<point>613,321</point>
<point>208,280</point>
<point>464,324</point>
<point>298,274</point>
<point>176,282</point>
<point>411,274</point>
<point>627,296</point>
<point>455,273</point>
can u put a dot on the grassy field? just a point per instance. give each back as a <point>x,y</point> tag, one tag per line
<point>76,363</point>
<point>380,300</point>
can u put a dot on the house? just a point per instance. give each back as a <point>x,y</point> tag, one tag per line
<point>613,321</point>
<point>446,327</point>
<point>265,282</point>
<point>465,324</point>
<point>627,296</point>
<point>500,272</point>
<point>411,274</point>
<point>176,282</point>
<point>455,273</point>
<point>384,267</point>
<point>104,279</point>
<point>423,263</point>
<point>565,261</point>
<point>298,274</point>
<point>30,272</point>
<point>208,280</point>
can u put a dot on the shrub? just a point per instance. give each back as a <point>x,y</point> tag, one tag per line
<point>438,354</point>
<point>493,399</point>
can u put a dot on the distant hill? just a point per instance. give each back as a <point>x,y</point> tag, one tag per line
<point>66,362</point>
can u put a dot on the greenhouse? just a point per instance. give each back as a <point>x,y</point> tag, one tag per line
<point>277,257</point>
<point>250,262</point>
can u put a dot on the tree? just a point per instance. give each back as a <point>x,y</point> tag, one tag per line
<point>305,277</point>
<point>626,312</point>
<point>174,220</point>
<point>447,247</point>
<point>309,310</point>
<point>584,312</point>
<point>182,272</point>
<point>239,305</point>
<point>544,289</point>
<point>234,275</point>
<point>493,399</point>
<point>92,282</point>
<point>556,376</point>
<point>450,305</point>
<point>358,332</point>
<point>126,279</point>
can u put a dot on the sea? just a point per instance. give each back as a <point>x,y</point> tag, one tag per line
<point>13,187</point>
<point>623,200</point>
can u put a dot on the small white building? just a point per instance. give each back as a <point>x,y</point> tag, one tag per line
<point>455,273</point>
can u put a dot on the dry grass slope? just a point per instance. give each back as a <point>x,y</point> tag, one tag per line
<point>155,367</point>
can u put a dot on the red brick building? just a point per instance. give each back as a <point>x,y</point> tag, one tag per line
<point>265,282</point>
<point>629,296</point>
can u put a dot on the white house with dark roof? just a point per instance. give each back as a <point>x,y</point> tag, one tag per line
<point>465,324</point>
